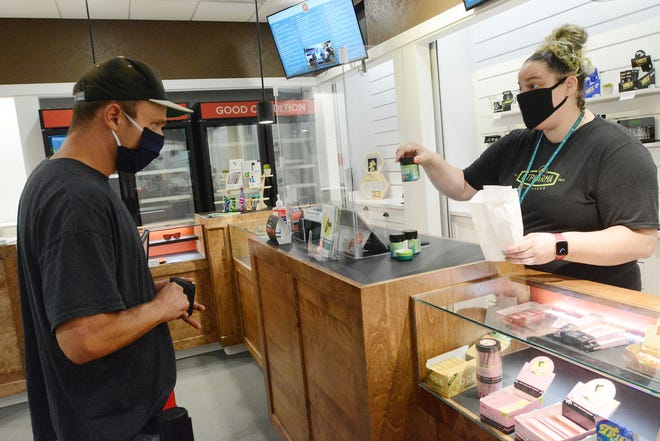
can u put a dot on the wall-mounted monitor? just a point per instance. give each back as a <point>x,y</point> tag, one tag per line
<point>469,4</point>
<point>309,36</point>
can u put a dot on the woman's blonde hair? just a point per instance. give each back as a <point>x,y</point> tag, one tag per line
<point>562,53</point>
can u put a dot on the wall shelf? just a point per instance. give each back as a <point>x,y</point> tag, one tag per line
<point>625,96</point>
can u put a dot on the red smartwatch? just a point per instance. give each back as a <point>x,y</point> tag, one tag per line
<point>561,246</point>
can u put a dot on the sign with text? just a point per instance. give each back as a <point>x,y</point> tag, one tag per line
<point>248,109</point>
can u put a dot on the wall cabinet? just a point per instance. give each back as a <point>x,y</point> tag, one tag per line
<point>447,319</point>
<point>379,214</point>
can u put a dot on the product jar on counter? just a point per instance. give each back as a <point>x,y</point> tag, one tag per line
<point>397,242</point>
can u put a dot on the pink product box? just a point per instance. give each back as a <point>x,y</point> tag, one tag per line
<point>548,424</point>
<point>573,419</point>
<point>500,408</point>
<point>523,315</point>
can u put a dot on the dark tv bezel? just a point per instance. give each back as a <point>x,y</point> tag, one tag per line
<point>316,71</point>
<point>476,4</point>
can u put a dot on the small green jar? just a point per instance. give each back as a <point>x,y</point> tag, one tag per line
<point>409,170</point>
<point>397,242</point>
<point>413,240</point>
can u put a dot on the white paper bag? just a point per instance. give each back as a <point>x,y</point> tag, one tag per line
<point>497,219</point>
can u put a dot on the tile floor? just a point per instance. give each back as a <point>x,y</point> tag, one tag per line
<point>224,395</point>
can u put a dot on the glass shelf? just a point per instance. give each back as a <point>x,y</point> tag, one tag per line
<point>479,302</point>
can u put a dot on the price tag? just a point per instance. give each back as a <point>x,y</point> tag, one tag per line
<point>623,96</point>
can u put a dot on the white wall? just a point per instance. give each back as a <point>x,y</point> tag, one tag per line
<point>481,61</point>
<point>12,171</point>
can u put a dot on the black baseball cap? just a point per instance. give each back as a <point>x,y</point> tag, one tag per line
<point>124,79</point>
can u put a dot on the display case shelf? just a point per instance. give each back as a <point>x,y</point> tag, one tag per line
<point>165,171</point>
<point>178,197</point>
<point>450,318</point>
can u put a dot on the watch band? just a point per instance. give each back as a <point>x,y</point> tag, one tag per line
<point>561,246</point>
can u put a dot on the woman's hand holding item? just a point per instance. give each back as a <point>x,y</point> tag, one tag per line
<point>534,249</point>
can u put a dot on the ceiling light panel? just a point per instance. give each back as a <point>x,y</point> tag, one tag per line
<point>71,8</point>
<point>223,11</point>
<point>29,9</point>
<point>162,9</point>
<point>108,10</point>
<point>269,7</point>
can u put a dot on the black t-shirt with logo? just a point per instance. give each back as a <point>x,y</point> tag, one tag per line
<point>79,254</point>
<point>601,178</point>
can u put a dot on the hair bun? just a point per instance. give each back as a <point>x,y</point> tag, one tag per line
<point>566,44</point>
<point>569,34</point>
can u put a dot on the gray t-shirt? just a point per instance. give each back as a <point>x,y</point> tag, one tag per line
<point>601,178</point>
<point>79,254</point>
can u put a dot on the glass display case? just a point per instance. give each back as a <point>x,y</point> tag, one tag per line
<point>174,243</point>
<point>586,336</point>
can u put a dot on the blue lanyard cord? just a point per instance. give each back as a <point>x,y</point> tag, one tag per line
<point>543,169</point>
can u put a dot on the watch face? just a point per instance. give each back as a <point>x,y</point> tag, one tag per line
<point>561,248</point>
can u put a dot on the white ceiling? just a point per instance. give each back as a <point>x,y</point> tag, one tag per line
<point>187,10</point>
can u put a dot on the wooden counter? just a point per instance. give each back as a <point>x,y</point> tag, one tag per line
<point>226,303</point>
<point>12,368</point>
<point>246,287</point>
<point>338,358</point>
<point>185,336</point>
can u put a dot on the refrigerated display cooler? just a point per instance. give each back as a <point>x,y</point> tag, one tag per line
<point>228,131</point>
<point>54,125</point>
<point>166,191</point>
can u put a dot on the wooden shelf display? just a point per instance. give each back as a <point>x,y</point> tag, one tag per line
<point>450,318</point>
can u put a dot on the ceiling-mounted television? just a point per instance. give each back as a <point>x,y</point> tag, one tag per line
<point>309,36</point>
<point>469,4</point>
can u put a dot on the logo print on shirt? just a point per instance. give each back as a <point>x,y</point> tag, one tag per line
<point>547,179</point>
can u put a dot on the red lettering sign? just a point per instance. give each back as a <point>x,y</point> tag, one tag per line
<point>248,109</point>
<point>56,118</point>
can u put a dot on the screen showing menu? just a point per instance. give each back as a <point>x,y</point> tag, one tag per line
<point>309,36</point>
<point>469,4</point>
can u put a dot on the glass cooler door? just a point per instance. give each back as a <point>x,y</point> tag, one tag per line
<point>226,142</point>
<point>164,187</point>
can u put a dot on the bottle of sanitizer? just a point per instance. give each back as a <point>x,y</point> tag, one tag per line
<point>280,209</point>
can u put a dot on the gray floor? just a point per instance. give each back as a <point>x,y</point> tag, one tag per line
<point>224,395</point>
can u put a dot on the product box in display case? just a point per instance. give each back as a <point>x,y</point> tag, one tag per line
<point>445,320</point>
<point>574,418</point>
<point>526,394</point>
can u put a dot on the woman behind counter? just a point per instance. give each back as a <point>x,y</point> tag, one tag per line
<point>599,212</point>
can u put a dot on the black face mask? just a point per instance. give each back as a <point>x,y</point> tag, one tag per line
<point>149,147</point>
<point>536,105</point>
